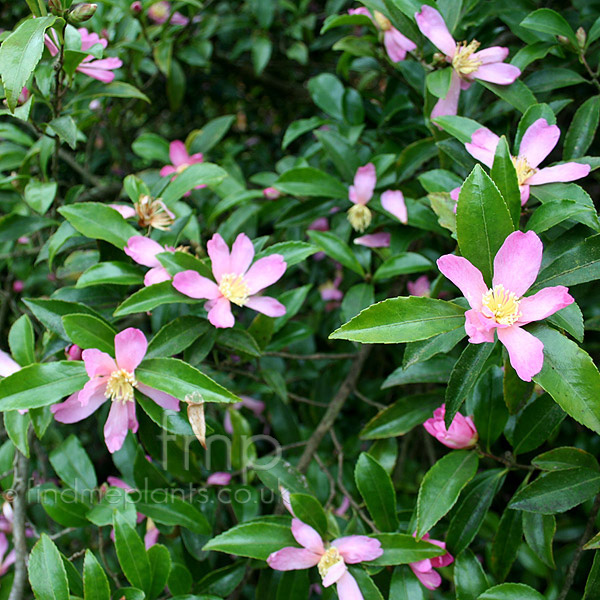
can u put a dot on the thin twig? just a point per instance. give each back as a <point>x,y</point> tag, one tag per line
<point>367,400</point>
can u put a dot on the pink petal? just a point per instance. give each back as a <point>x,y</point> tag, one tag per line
<point>127,212</point>
<point>525,351</point>
<point>220,314</point>
<point>98,362</point>
<point>265,272</point>
<point>397,45</point>
<point>518,261</point>
<point>192,284</point>
<point>560,173</point>
<point>167,170</point>
<point>3,546</point>
<point>266,305</point>
<point>151,537</point>
<point>130,348</point>
<point>293,559</point>
<point>430,579</point>
<point>358,548</point>
<point>116,482</point>
<point>422,566</point>
<point>538,141</point>
<point>179,19</point>
<point>51,42</point>
<point>132,422</point>
<point>178,153</point>
<point>197,158</point>
<point>72,411</point>
<point>163,399</point>
<point>524,193</point>
<point>360,11</point>
<point>500,73</point>
<point>364,184</point>
<point>7,365</point>
<point>393,202</point>
<point>115,428</point>
<point>466,277</point>
<point>347,588</point>
<point>242,253</point>
<point>143,250</point>
<point>219,478</point>
<point>543,304</point>
<point>156,275</point>
<point>320,224</point>
<point>483,146</point>
<point>449,104</point>
<point>335,573</point>
<point>10,559</point>
<point>218,251</point>
<point>307,537</point>
<point>479,328</point>
<point>374,240</point>
<point>432,26</point>
<point>494,54</point>
<point>92,390</point>
<point>420,287</point>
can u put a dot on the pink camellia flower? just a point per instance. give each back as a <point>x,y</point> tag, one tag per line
<point>396,44</point>
<point>236,280</point>
<point>7,365</point>
<point>424,569</point>
<point>219,478</point>
<point>113,379</point>
<point>180,161</point>
<point>143,251</point>
<point>420,287</point>
<point>271,193</point>
<point>159,12</point>
<point>255,406</point>
<point>537,143</point>
<point>331,559</point>
<point>503,308</point>
<point>467,63</point>
<point>374,240</point>
<point>100,69</point>
<point>461,433</point>
<point>73,352</point>
<point>6,560</point>
<point>18,286</point>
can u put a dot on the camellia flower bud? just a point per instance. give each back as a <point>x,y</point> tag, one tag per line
<point>81,13</point>
<point>581,36</point>
<point>136,8</point>
<point>461,433</point>
<point>56,7</point>
<point>73,352</point>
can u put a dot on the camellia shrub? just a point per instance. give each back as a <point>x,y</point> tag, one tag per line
<point>299,300</point>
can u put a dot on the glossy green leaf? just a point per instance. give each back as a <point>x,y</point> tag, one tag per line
<point>510,591</point>
<point>403,548</point>
<point>507,540</point>
<point>469,577</point>
<point>151,297</point>
<point>549,21</point>
<point>559,459</point>
<point>402,264</point>
<point>309,510</point>
<point>21,341</point>
<point>131,554</point>
<point>405,585</point>
<point>64,509</point>
<point>198,174</point>
<point>47,574</point>
<point>504,175</point>
<point>336,249</point>
<point>39,195</point>
<point>308,181</point>
<point>95,582</point>
<point>73,465</point>
<point>176,336</point>
<point>172,510</point>
<point>88,331</point>
<point>582,129</point>
<point>113,273</point>
<point>539,532</point>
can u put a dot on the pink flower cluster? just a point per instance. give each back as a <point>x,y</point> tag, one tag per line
<point>460,435</point>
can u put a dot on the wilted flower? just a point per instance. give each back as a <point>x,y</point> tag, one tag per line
<point>503,308</point>
<point>461,433</point>
<point>143,251</point>
<point>467,62</point>
<point>236,281</point>
<point>359,194</point>
<point>424,569</point>
<point>113,379</point>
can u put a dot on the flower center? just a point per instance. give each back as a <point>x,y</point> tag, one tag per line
<point>331,558</point>
<point>120,386</point>
<point>360,217</point>
<point>160,10</point>
<point>234,288</point>
<point>382,21</point>
<point>463,62</point>
<point>501,305</point>
<point>524,171</point>
<point>181,168</point>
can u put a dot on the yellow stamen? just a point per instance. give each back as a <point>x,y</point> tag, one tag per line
<point>463,63</point>
<point>383,22</point>
<point>120,386</point>
<point>524,171</point>
<point>181,168</point>
<point>234,288</point>
<point>360,217</point>
<point>501,305</point>
<point>331,558</point>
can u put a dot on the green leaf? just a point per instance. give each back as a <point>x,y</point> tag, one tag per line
<point>151,147</point>
<point>377,490</point>
<point>308,181</point>
<point>149,298</point>
<point>489,411</point>
<point>261,53</point>
<point>402,548</point>
<point>113,273</point>
<point>327,93</point>
<point>21,341</point>
<point>199,174</point>
<point>559,459</point>
<point>504,176</point>
<point>47,574</point>
<point>402,264</point>
<point>592,585</point>
<point>483,221</point>
<point>547,80</point>
<point>66,129</point>
<point>41,384</point>
<point>569,376</point>
<point>582,130</point>
<point>17,426</point>
<point>507,540</point>
<point>292,252</point>
<point>20,53</point>
<point>299,128</point>
<point>168,509</point>
<point>517,94</point>
<point>401,417</point>
<point>99,222</point>
<point>404,319</point>
<point>115,89</point>
<point>557,491</point>
<point>255,539</point>
<point>175,377</point>
<point>438,82</point>
<point>88,331</point>
<point>434,370</point>
<point>66,511</point>
<point>511,591</point>
<point>336,249</point>
<point>516,391</point>
<point>40,195</point>
<point>536,424</point>
<point>160,567</point>
<point>276,473</point>
<point>549,21</point>
<point>309,510</point>
<point>405,585</point>
<point>333,21</point>
<point>211,134</point>
<point>131,554</point>
<point>95,582</point>
<point>539,531</point>
<point>176,336</point>
<point>73,465</point>
<point>459,127</point>
<point>469,577</point>
<point>293,585</point>
<point>417,352</point>
<point>441,487</point>
<point>464,376</point>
